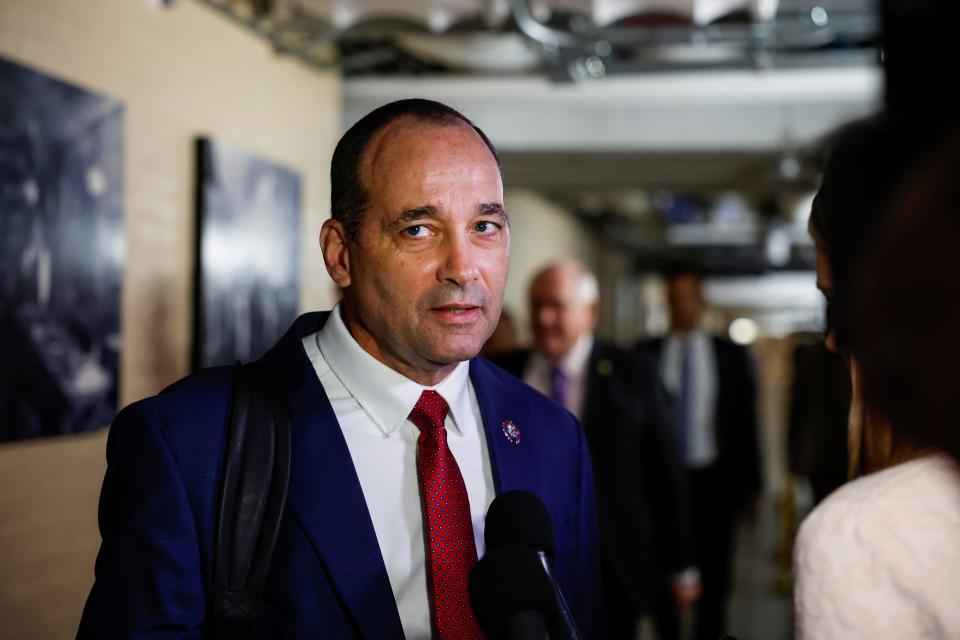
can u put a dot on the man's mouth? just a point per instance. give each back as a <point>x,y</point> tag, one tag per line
<point>457,313</point>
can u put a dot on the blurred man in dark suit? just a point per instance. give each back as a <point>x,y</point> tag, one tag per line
<point>711,381</point>
<point>641,503</point>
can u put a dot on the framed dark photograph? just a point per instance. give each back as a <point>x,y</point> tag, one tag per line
<point>61,255</point>
<point>248,254</point>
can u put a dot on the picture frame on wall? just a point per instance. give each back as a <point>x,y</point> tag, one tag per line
<point>248,253</point>
<point>61,254</point>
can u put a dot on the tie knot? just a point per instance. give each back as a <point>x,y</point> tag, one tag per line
<point>558,375</point>
<point>430,412</point>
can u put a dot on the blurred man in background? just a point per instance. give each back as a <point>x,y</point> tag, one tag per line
<point>711,381</point>
<point>641,502</point>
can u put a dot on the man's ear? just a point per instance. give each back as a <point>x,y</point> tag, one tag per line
<point>336,252</point>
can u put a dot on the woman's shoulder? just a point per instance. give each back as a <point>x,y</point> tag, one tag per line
<point>930,484</point>
<point>880,554</point>
<point>886,517</point>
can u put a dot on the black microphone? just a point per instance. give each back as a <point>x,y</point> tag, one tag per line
<point>519,519</point>
<point>512,596</point>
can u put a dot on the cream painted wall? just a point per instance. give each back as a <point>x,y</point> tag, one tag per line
<point>540,232</point>
<point>180,73</point>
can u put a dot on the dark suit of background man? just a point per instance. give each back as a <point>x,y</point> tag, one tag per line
<point>712,383</point>
<point>638,474</point>
<point>378,390</point>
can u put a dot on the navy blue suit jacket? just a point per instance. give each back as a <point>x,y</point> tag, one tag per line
<point>328,578</point>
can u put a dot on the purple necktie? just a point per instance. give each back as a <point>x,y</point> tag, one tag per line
<point>558,386</point>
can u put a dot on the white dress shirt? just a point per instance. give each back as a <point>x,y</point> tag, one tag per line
<point>539,373</point>
<point>372,403</point>
<point>701,438</point>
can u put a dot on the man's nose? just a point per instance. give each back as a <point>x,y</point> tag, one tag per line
<point>545,315</point>
<point>460,262</point>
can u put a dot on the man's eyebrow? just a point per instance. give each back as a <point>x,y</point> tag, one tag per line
<point>429,211</point>
<point>493,209</point>
<point>416,213</point>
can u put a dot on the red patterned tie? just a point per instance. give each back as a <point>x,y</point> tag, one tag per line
<point>451,550</point>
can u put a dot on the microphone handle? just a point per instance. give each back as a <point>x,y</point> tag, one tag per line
<point>566,618</point>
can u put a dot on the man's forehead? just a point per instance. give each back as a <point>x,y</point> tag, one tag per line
<point>556,282</point>
<point>407,134</point>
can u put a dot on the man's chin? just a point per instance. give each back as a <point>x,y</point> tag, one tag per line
<point>450,344</point>
<point>551,351</point>
<point>451,354</point>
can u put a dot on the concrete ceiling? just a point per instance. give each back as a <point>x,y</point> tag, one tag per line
<point>753,112</point>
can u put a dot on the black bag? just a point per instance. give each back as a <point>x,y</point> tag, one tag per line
<point>253,493</point>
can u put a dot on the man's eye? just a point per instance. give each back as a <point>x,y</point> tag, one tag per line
<point>416,231</point>
<point>485,226</point>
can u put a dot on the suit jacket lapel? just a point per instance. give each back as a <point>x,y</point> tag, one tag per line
<point>506,458</point>
<point>325,493</point>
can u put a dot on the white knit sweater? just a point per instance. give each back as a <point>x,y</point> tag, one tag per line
<point>880,557</point>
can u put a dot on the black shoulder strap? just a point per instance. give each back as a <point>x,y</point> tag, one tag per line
<point>253,493</point>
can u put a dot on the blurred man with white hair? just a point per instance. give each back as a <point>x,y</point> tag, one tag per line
<point>638,473</point>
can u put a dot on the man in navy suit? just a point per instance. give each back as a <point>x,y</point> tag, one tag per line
<point>714,389</point>
<point>418,242</point>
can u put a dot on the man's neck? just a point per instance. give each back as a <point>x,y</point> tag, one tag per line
<point>427,375</point>
<point>686,334</point>
<point>574,356</point>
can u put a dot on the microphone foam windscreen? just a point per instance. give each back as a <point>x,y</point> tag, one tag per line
<point>507,581</point>
<point>519,518</point>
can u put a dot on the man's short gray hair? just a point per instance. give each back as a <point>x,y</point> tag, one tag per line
<point>588,290</point>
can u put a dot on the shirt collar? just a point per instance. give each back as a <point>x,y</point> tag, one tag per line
<point>575,361</point>
<point>386,395</point>
<point>692,338</point>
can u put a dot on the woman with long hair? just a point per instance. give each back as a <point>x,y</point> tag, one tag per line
<point>880,557</point>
